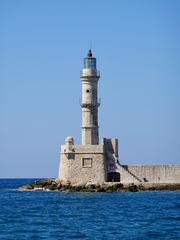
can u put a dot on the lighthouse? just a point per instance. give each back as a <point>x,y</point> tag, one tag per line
<point>90,102</point>
<point>91,161</point>
<point>97,162</point>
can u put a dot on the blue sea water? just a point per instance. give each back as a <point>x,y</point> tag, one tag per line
<point>58,215</point>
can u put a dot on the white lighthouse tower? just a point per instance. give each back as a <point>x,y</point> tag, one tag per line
<point>92,161</point>
<point>90,102</point>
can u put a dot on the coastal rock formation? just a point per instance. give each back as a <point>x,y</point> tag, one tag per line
<point>57,185</point>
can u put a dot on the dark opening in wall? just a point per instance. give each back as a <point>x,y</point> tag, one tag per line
<point>113,177</point>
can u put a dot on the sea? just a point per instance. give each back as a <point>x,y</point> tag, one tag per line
<point>62,215</point>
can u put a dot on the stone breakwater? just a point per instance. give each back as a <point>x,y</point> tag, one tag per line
<point>57,185</point>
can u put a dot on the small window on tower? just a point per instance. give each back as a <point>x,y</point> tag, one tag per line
<point>87,91</point>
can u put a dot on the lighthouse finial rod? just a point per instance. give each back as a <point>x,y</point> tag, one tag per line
<point>89,53</point>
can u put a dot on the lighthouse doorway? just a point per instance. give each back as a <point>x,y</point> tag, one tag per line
<point>113,177</point>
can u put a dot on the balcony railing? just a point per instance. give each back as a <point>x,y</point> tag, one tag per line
<point>90,103</point>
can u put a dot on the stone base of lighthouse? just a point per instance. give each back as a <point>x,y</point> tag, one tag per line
<point>81,164</point>
<point>85,163</point>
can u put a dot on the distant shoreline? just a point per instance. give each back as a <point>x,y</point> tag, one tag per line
<point>57,185</point>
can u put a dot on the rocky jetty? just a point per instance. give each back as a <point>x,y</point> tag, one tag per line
<point>58,185</point>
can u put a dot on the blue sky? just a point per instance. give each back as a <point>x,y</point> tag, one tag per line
<point>42,45</point>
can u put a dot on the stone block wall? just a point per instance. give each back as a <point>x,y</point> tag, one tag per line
<point>84,163</point>
<point>169,173</point>
<point>125,175</point>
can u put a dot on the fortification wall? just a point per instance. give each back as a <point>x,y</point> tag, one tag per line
<point>169,173</point>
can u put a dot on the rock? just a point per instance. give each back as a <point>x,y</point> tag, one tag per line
<point>141,187</point>
<point>50,187</point>
<point>101,189</point>
<point>26,187</point>
<point>133,188</point>
<point>59,185</point>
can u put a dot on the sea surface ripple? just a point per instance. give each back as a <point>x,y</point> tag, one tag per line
<point>62,215</point>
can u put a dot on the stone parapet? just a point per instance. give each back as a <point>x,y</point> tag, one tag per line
<point>165,173</point>
<point>84,149</point>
